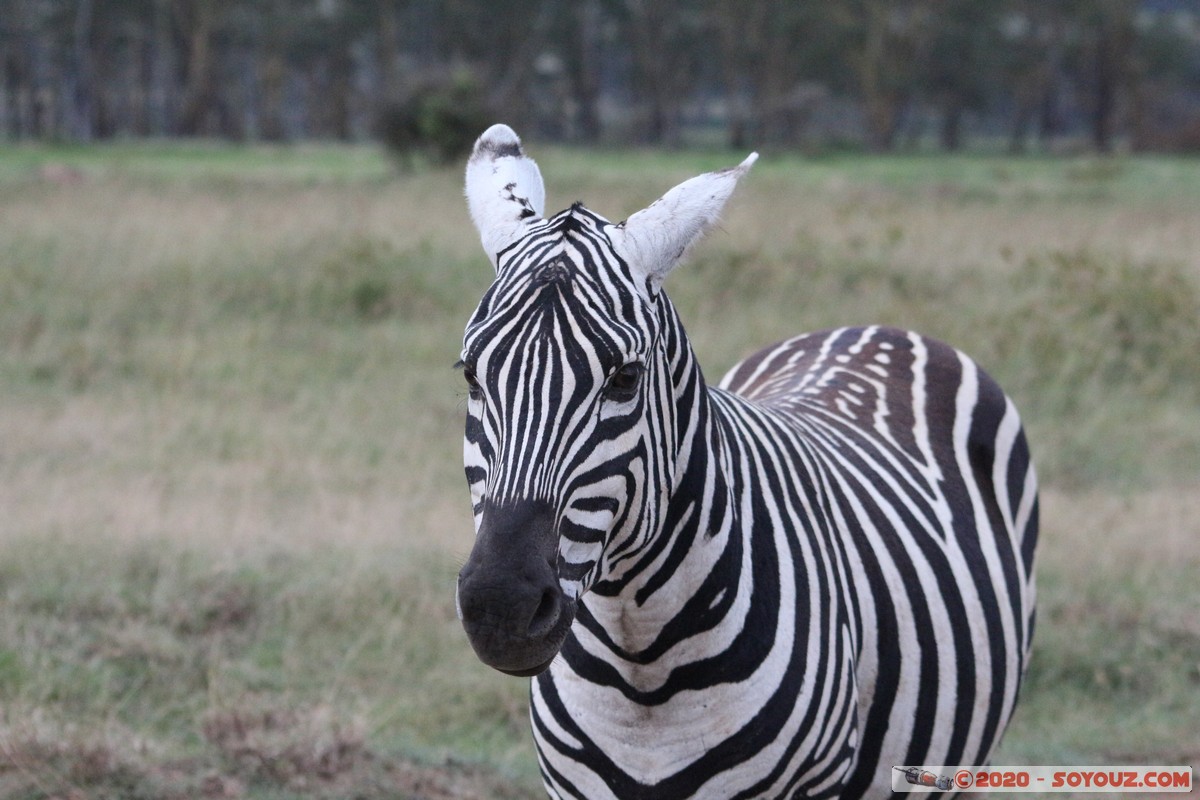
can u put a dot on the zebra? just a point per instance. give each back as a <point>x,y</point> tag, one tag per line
<point>779,587</point>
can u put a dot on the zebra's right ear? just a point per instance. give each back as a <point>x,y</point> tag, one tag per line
<point>504,190</point>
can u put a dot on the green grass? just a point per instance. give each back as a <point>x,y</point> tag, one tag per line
<point>230,437</point>
<point>194,163</point>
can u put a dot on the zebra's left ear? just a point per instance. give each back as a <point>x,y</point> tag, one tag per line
<point>654,240</point>
<point>504,189</point>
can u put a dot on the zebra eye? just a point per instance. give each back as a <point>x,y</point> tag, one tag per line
<point>623,384</point>
<point>473,388</point>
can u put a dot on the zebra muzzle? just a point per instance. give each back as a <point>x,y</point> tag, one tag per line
<point>511,604</point>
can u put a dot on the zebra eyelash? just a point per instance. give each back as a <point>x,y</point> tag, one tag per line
<point>474,390</point>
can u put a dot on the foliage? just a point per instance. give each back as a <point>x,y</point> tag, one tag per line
<point>439,120</point>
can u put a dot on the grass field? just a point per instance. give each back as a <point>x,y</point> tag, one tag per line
<point>231,502</point>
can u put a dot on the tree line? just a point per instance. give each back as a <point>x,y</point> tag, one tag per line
<point>877,74</point>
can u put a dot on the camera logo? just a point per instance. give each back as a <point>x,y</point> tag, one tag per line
<point>923,777</point>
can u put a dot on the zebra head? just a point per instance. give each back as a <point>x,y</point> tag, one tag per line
<point>574,419</point>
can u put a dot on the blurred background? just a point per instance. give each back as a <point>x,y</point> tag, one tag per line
<point>866,74</point>
<point>235,267</point>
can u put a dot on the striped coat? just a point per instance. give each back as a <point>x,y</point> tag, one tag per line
<point>779,587</point>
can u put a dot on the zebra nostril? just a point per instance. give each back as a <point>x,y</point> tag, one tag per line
<point>545,615</point>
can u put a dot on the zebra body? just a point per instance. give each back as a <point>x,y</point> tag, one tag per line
<point>781,587</point>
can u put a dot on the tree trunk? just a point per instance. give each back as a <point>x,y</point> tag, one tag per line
<point>729,22</point>
<point>389,89</point>
<point>583,68</point>
<point>341,67</point>
<point>1020,128</point>
<point>80,126</point>
<point>1114,46</point>
<point>158,112</point>
<point>951,129</point>
<point>8,119</point>
<point>511,92</point>
<point>881,103</point>
<point>1104,99</point>
<point>660,84</point>
<point>272,77</point>
<point>199,92</point>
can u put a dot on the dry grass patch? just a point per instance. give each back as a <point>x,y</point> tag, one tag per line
<point>307,753</point>
<point>1115,674</point>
